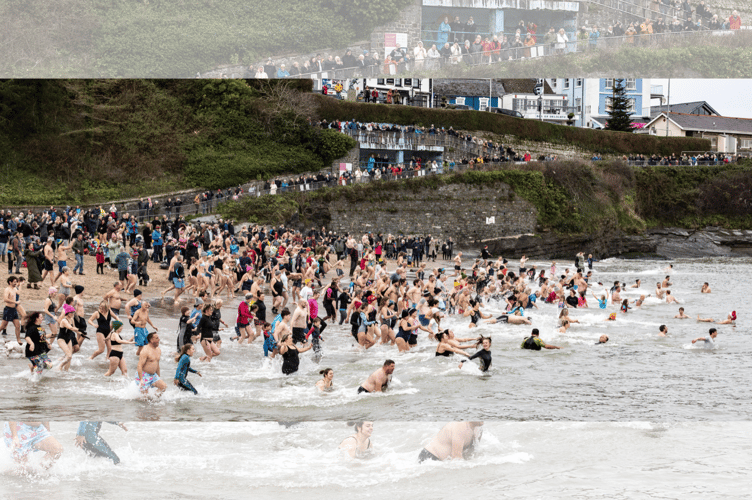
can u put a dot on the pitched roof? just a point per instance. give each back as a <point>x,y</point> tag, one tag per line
<point>479,88</point>
<point>704,123</point>
<point>690,108</point>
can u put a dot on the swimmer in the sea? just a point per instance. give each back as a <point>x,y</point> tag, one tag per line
<point>325,383</point>
<point>681,314</point>
<point>730,319</point>
<point>534,342</point>
<point>662,331</point>
<point>483,355</point>
<point>637,284</point>
<point>564,326</point>
<point>611,317</point>
<point>455,441</point>
<point>670,299</point>
<point>666,283</point>
<point>705,288</point>
<point>659,292</point>
<point>359,444</point>
<point>379,380</point>
<point>708,339</point>
<point>602,339</point>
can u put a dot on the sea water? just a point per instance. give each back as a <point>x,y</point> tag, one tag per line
<point>542,460</point>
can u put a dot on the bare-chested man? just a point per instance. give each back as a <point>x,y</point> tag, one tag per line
<point>299,322</point>
<point>113,297</point>
<point>705,288</point>
<point>666,283</point>
<point>637,284</point>
<point>47,265</point>
<point>379,380</point>
<point>457,264</point>
<point>10,312</point>
<point>659,291</point>
<point>148,366</point>
<point>413,294</point>
<point>455,440</point>
<point>681,314</point>
<point>615,296</point>
<point>140,319</point>
<point>670,298</point>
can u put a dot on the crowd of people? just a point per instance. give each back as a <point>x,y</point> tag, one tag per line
<point>463,41</point>
<point>389,296</point>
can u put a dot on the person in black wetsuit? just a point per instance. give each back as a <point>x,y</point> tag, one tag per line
<point>484,355</point>
<point>89,439</point>
<point>290,358</point>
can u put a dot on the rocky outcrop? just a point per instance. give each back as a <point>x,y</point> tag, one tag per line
<point>669,243</point>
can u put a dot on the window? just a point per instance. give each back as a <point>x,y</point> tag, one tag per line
<point>379,81</point>
<point>578,82</point>
<point>553,82</point>
<point>609,83</point>
<point>578,103</point>
<point>566,83</point>
<point>459,100</point>
<point>631,84</point>
<point>408,82</point>
<point>714,142</point>
<point>631,109</point>
<point>416,83</point>
<point>746,144</point>
<point>390,81</point>
<point>398,82</point>
<point>484,103</point>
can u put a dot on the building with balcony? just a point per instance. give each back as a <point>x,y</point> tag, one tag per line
<point>492,17</point>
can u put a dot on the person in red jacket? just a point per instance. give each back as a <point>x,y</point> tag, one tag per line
<point>735,22</point>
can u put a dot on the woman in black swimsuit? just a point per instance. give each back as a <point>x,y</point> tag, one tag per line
<point>290,358</point>
<point>103,316</point>
<point>359,444</point>
<point>206,328</point>
<point>388,321</point>
<point>116,350</point>
<point>66,336</point>
<point>445,348</point>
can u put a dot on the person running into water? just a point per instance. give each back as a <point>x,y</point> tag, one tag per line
<point>325,383</point>
<point>88,438</point>
<point>148,366</point>
<point>483,355</point>
<point>359,444</point>
<point>379,380</point>
<point>23,438</point>
<point>709,339</point>
<point>290,354</point>
<point>534,343</point>
<point>455,441</point>
<point>183,359</point>
<point>36,344</point>
<point>116,350</point>
<point>101,319</point>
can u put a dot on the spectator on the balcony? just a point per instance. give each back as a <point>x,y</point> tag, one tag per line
<point>659,26</point>
<point>516,47</point>
<point>444,29</point>
<point>295,69</point>
<point>466,52</point>
<point>594,35</point>
<point>446,52</point>
<point>487,48</point>
<point>549,40</point>
<point>735,22</point>
<point>348,60</point>
<point>360,64</point>
<point>689,25</point>
<point>715,23</point>
<point>282,72</point>
<point>261,74</point>
<point>665,6</point>
<point>561,41</point>
<point>433,57</point>
<point>676,25</point>
<point>329,63</point>
<point>686,8</point>
<point>456,53</point>
<point>630,33</point>
<point>269,67</point>
<point>470,26</point>
<point>375,60</point>
<point>419,55</point>
<point>477,49</point>
<point>338,64</point>
<point>529,43</point>
<point>703,11</point>
<point>457,27</point>
<point>582,37</point>
<point>532,30</point>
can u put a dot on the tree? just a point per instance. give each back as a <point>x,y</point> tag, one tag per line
<point>619,116</point>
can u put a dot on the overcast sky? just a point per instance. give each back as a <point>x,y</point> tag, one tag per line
<point>728,97</point>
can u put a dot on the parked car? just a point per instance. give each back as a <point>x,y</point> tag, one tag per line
<point>508,112</point>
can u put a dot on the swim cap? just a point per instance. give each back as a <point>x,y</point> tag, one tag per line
<point>78,289</point>
<point>137,292</point>
<point>612,316</point>
<point>733,315</point>
<point>68,308</point>
<point>116,325</point>
<point>52,290</point>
